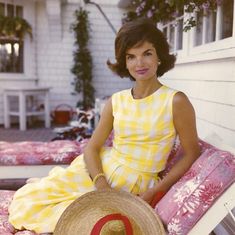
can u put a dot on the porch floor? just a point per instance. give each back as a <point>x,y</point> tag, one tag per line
<point>33,133</point>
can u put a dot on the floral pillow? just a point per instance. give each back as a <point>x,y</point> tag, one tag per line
<point>185,203</point>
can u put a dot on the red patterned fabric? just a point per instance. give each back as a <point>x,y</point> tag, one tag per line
<point>186,202</point>
<point>38,153</point>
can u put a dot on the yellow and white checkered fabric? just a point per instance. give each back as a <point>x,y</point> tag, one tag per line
<point>144,135</point>
<point>144,129</point>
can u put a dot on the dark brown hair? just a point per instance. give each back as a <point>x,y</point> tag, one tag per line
<point>134,33</point>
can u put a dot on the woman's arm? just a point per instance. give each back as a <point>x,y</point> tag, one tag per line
<point>92,150</point>
<point>185,125</point>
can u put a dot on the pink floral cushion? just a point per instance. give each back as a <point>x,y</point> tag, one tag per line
<point>5,227</point>
<point>186,202</point>
<point>38,153</point>
<point>5,200</point>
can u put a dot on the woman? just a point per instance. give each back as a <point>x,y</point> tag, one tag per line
<point>145,120</point>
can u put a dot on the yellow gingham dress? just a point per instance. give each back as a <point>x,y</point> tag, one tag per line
<point>143,137</point>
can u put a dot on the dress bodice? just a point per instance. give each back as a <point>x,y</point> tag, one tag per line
<point>144,132</point>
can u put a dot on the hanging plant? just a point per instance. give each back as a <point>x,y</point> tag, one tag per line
<point>82,68</point>
<point>14,28</point>
<point>164,11</point>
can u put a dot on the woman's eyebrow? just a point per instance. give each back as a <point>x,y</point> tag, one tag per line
<point>150,49</point>
<point>129,54</point>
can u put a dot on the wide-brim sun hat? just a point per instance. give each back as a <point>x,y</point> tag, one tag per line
<point>109,212</point>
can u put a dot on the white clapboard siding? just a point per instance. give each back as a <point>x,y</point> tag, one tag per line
<point>55,57</point>
<point>210,86</point>
<point>102,48</point>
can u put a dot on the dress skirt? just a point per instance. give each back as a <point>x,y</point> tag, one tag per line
<point>38,205</point>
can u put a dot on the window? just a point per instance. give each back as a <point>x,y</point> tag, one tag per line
<point>11,56</point>
<point>11,50</point>
<point>214,25</point>
<point>174,33</point>
<point>227,18</point>
<point>11,10</point>
<point>211,26</point>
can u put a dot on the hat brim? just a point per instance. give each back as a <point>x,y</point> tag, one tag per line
<point>81,216</point>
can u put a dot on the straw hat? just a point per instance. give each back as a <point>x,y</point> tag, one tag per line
<point>109,212</point>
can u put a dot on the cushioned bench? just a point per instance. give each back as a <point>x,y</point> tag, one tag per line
<point>208,184</point>
<point>22,160</point>
<point>38,153</point>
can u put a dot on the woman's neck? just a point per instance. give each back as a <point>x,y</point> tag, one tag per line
<point>142,90</point>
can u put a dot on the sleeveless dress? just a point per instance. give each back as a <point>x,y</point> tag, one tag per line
<point>143,137</point>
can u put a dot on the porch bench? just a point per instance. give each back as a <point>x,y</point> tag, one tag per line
<point>22,160</point>
<point>205,188</point>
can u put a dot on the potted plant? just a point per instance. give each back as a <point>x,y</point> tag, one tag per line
<point>82,68</point>
<point>14,28</point>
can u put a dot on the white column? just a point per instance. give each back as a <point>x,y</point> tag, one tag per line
<point>6,111</point>
<point>22,110</point>
<point>176,37</point>
<point>219,17</point>
<point>193,33</point>
<point>204,27</point>
<point>210,32</point>
<point>47,110</point>
<point>233,19</point>
<point>186,37</point>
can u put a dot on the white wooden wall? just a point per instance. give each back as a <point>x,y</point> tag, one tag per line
<point>54,55</point>
<point>210,85</point>
<point>102,48</point>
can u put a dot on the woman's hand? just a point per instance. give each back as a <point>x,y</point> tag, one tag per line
<point>148,195</point>
<point>102,183</point>
<point>153,195</point>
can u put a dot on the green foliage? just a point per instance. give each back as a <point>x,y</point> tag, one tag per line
<point>14,28</point>
<point>82,68</point>
<point>164,11</point>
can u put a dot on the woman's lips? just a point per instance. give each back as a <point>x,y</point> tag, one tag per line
<point>141,71</point>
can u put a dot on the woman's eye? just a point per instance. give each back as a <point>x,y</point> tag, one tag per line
<point>148,53</point>
<point>130,57</point>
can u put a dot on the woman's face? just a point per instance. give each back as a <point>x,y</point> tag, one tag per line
<point>142,61</point>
